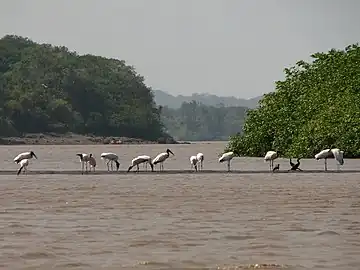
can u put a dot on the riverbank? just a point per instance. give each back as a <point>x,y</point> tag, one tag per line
<point>76,139</point>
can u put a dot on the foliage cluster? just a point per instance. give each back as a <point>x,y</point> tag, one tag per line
<point>317,106</point>
<point>46,88</point>
<point>194,121</point>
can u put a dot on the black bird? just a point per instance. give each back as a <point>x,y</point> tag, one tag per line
<point>296,166</point>
<point>276,168</point>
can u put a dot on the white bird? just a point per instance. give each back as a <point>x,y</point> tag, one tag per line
<point>92,162</point>
<point>193,162</point>
<point>111,158</point>
<point>160,158</point>
<point>271,156</point>
<point>200,159</point>
<point>141,159</point>
<point>85,159</point>
<point>25,155</point>
<point>331,153</point>
<point>228,157</point>
<point>23,165</point>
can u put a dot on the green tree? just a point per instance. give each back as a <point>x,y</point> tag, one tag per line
<point>195,121</point>
<point>317,106</point>
<point>45,88</point>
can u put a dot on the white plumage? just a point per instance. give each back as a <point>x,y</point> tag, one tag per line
<point>111,158</point>
<point>23,165</point>
<point>331,153</point>
<point>193,162</point>
<point>160,158</point>
<point>25,155</point>
<point>228,157</point>
<point>141,159</point>
<point>271,156</point>
<point>200,159</point>
<point>92,162</point>
<point>85,159</point>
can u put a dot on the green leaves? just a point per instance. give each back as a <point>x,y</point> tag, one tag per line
<point>46,88</point>
<point>317,105</point>
<point>196,121</point>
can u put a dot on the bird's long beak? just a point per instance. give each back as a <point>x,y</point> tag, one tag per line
<point>35,156</point>
<point>172,153</point>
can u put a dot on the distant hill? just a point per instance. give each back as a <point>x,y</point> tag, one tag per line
<point>165,99</point>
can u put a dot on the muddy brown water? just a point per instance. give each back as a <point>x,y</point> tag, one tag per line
<point>176,221</point>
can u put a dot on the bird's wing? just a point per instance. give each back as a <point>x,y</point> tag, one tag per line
<point>339,156</point>
<point>158,158</point>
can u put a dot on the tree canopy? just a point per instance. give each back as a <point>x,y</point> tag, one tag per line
<point>317,106</point>
<point>194,121</point>
<point>46,88</point>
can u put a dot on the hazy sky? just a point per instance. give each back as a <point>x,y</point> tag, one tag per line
<point>225,47</point>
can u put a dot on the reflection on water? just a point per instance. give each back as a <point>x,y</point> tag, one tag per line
<point>177,221</point>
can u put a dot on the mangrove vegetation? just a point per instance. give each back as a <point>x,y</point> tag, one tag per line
<point>316,106</point>
<point>45,88</point>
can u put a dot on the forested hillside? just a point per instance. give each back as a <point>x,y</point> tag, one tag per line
<point>317,106</point>
<point>174,102</point>
<point>195,121</point>
<point>44,88</point>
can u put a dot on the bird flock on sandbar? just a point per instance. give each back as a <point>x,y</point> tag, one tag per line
<point>88,161</point>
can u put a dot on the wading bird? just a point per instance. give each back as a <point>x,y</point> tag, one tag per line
<point>111,158</point>
<point>271,156</point>
<point>276,168</point>
<point>23,165</point>
<point>331,153</point>
<point>200,159</point>
<point>141,159</point>
<point>85,159</point>
<point>160,158</point>
<point>193,162</point>
<point>228,157</point>
<point>294,166</point>
<point>92,162</point>
<point>25,155</point>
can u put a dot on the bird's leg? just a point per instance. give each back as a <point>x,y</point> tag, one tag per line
<point>228,165</point>
<point>112,165</point>
<point>325,164</point>
<point>137,167</point>
<point>107,164</point>
<point>82,167</point>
